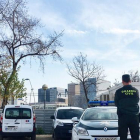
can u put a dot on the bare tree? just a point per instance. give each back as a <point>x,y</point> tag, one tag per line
<point>82,70</point>
<point>116,83</point>
<point>19,38</point>
<point>135,76</point>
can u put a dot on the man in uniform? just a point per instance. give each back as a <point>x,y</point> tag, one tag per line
<point>126,100</point>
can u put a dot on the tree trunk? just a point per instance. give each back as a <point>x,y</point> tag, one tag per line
<point>85,91</point>
<point>6,93</point>
<point>4,102</point>
<point>13,74</point>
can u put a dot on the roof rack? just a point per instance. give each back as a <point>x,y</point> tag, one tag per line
<point>101,103</point>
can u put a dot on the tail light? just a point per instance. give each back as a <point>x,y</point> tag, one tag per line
<point>34,119</point>
<point>1,118</point>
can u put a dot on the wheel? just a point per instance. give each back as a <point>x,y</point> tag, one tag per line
<point>33,137</point>
<point>1,137</point>
<point>54,137</point>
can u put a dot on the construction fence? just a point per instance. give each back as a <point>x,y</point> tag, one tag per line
<point>43,121</point>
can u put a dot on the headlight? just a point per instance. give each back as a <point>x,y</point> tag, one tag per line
<point>60,123</point>
<point>81,131</point>
<point>128,132</point>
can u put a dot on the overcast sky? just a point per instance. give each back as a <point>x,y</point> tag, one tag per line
<point>108,31</point>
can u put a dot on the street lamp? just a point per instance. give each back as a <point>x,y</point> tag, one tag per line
<point>31,90</point>
<point>44,87</point>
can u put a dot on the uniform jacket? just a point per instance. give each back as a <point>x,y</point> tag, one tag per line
<point>126,100</point>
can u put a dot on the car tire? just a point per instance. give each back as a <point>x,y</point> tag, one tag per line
<point>54,137</point>
<point>1,137</point>
<point>33,137</point>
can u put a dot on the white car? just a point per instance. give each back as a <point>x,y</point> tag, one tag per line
<point>97,123</point>
<point>17,121</point>
<point>62,123</point>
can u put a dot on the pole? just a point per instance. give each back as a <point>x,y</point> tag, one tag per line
<point>32,91</point>
<point>44,99</point>
<point>44,87</point>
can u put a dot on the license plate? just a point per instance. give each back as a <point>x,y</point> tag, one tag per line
<point>70,131</point>
<point>106,138</point>
<point>11,128</point>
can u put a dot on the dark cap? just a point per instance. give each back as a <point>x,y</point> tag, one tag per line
<point>126,78</point>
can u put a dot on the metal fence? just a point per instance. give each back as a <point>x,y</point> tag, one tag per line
<point>43,120</point>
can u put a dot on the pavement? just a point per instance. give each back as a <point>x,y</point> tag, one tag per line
<point>38,137</point>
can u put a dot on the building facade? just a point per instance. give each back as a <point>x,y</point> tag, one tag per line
<point>54,94</point>
<point>41,95</point>
<point>76,95</point>
<point>73,89</point>
<point>110,94</point>
<point>58,94</point>
<point>91,88</point>
<point>18,101</point>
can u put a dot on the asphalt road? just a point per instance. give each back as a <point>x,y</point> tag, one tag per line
<point>41,137</point>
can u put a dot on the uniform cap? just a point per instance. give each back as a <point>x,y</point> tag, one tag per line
<point>126,78</point>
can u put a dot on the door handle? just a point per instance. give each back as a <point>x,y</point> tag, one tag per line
<point>17,123</point>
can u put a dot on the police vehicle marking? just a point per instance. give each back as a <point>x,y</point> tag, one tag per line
<point>105,129</point>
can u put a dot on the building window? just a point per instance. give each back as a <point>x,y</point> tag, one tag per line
<point>104,97</point>
<point>107,97</point>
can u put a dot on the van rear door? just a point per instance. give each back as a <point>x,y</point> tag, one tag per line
<point>27,120</point>
<point>12,120</point>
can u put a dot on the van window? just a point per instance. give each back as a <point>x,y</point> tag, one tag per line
<point>18,113</point>
<point>12,113</point>
<point>26,114</point>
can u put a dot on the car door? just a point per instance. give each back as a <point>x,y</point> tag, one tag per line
<point>12,120</point>
<point>27,120</point>
<point>53,123</point>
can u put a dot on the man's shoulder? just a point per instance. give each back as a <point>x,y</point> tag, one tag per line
<point>134,88</point>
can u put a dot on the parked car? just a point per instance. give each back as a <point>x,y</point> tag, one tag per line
<point>17,121</point>
<point>62,123</point>
<point>97,123</point>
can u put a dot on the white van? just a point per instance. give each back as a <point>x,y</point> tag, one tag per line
<point>17,121</point>
<point>62,123</point>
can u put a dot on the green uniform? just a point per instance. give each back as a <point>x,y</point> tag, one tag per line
<point>126,100</point>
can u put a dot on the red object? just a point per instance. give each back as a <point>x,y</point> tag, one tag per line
<point>0,129</point>
<point>17,106</point>
<point>34,119</point>
<point>1,118</point>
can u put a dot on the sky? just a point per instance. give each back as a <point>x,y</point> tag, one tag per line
<point>107,31</point>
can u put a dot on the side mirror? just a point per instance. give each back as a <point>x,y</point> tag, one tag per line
<point>75,119</point>
<point>52,117</point>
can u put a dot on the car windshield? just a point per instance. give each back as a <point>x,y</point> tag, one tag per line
<point>69,113</point>
<point>100,114</point>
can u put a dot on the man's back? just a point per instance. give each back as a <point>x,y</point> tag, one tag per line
<point>127,99</point>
